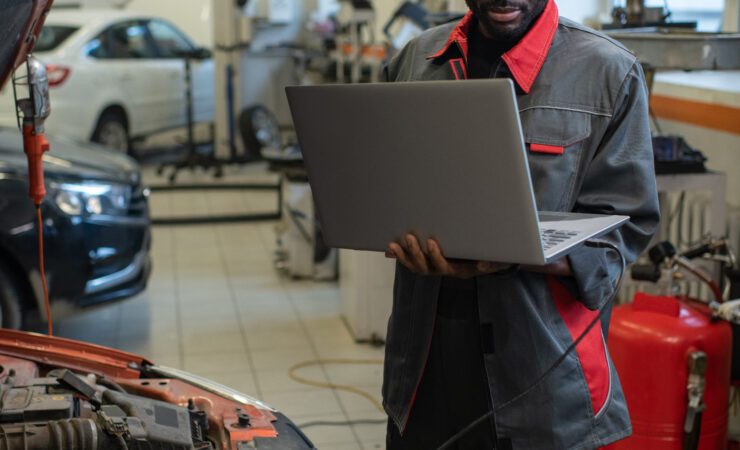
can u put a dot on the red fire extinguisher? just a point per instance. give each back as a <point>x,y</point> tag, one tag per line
<point>674,357</point>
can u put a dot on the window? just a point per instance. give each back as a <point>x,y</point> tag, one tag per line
<point>169,41</point>
<point>125,40</point>
<point>707,13</point>
<point>52,36</point>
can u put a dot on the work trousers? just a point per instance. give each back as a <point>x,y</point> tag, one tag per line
<point>454,389</point>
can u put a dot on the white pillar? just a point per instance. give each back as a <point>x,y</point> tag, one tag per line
<point>731,16</point>
<point>230,31</point>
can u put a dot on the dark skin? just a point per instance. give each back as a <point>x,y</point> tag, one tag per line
<point>507,21</point>
<point>409,253</point>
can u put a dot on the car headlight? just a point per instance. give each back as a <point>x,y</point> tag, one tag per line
<point>92,198</point>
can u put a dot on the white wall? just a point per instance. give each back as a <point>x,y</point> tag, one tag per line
<point>731,17</point>
<point>588,12</point>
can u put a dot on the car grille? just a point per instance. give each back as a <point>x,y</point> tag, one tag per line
<point>138,205</point>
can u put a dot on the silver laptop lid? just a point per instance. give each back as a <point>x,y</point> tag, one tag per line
<point>440,159</point>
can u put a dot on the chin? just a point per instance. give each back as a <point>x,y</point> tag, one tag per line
<point>508,32</point>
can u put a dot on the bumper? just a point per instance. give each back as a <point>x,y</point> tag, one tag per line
<point>289,436</point>
<point>119,264</point>
<point>125,283</point>
<point>122,277</point>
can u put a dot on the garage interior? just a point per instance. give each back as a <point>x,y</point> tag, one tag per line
<point>242,290</point>
<point>218,308</point>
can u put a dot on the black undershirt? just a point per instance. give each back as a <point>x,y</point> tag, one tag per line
<point>484,53</point>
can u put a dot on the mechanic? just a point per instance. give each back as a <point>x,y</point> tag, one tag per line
<point>467,337</point>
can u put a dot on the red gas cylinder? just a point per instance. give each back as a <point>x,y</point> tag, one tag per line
<point>650,341</point>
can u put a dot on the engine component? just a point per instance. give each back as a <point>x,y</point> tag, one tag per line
<point>67,377</point>
<point>110,430</point>
<point>78,434</point>
<point>32,403</point>
<point>66,411</point>
<point>147,421</point>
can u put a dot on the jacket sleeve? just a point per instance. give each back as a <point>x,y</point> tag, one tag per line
<point>400,66</point>
<point>620,179</point>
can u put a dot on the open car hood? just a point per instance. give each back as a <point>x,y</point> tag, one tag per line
<point>101,398</point>
<point>20,24</point>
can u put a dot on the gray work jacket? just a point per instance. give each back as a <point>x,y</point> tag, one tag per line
<point>583,106</point>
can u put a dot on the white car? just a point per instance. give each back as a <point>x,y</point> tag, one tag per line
<point>117,76</point>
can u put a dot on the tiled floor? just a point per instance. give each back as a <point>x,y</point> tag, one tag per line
<point>215,306</point>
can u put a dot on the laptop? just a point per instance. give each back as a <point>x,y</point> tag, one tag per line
<point>438,159</point>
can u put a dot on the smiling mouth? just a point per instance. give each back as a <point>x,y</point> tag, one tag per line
<point>503,14</point>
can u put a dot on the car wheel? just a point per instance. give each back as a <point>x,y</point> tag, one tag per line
<point>112,132</point>
<point>10,300</point>
<point>259,129</point>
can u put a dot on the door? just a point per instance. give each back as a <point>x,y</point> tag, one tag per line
<point>172,48</point>
<point>128,58</point>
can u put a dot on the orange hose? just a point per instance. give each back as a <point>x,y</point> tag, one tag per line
<point>41,266</point>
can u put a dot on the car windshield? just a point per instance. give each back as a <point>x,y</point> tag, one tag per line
<point>52,36</point>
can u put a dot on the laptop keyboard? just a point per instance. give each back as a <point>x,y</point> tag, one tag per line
<point>551,238</point>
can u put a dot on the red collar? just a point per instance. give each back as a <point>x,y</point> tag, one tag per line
<point>526,58</point>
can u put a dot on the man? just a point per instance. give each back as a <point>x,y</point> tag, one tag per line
<point>469,337</point>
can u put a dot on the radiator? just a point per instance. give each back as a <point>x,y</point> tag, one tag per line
<point>683,226</point>
<point>733,228</point>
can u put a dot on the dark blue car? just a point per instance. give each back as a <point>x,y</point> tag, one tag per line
<point>96,228</point>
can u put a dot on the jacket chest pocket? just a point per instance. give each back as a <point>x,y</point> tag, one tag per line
<point>555,140</point>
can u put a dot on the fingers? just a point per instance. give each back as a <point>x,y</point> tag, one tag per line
<point>417,257</point>
<point>409,253</point>
<point>444,266</point>
<point>439,262</point>
<point>397,252</point>
<point>404,258</point>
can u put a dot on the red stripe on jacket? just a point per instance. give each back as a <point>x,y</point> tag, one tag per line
<point>591,350</point>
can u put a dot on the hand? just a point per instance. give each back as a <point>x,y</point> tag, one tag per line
<point>409,253</point>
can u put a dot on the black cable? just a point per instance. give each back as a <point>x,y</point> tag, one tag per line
<point>344,423</point>
<point>597,243</point>
<point>679,238</point>
<point>676,209</point>
<point>655,120</point>
<point>42,271</point>
<point>121,441</point>
<point>110,384</point>
<point>465,431</point>
<point>294,214</point>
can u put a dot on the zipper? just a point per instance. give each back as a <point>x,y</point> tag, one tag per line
<point>608,400</point>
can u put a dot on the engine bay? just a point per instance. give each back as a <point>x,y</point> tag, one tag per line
<point>47,408</point>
